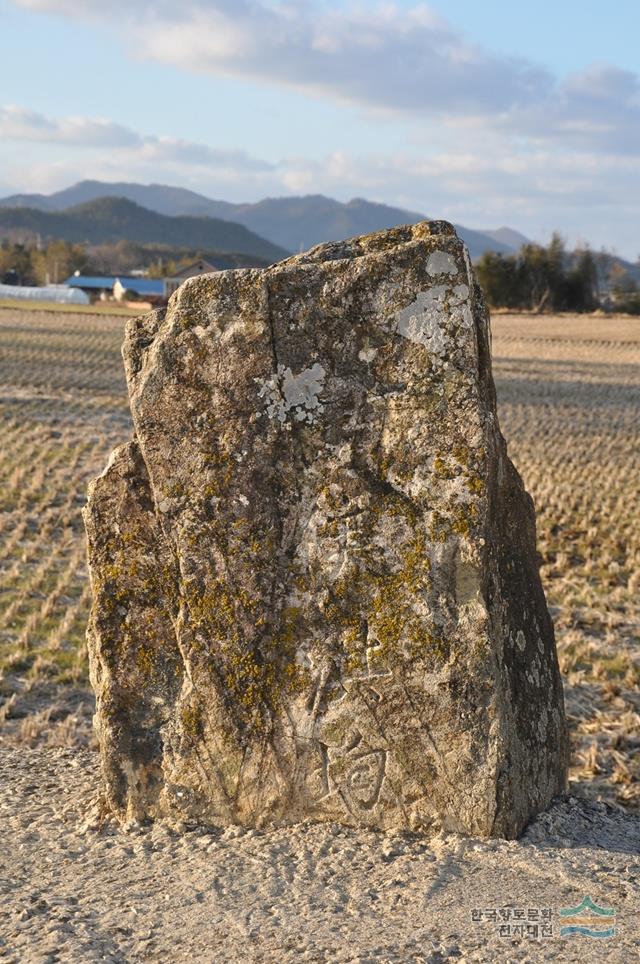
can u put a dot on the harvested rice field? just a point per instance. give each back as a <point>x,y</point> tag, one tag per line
<point>569,403</point>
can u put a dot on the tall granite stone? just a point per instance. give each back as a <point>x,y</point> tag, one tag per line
<point>316,593</point>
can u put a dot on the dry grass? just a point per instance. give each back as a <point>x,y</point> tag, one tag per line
<point>569,403</point>
<point>569,393</point>
<point>62,408</point>
<point>98,308</point>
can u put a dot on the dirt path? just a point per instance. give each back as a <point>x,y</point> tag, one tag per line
<point>72,892</point>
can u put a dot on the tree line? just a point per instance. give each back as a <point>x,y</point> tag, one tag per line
<point>24,264</point>
<point>28,263</point>
<point>539,278</point>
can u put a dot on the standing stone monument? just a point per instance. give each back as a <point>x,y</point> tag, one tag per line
<point>316,593</point>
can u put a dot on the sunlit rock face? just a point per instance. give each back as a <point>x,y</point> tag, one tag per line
<point>316,593</point>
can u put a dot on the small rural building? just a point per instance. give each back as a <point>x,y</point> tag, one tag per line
<point>108,287</point>
<point>191,271</point>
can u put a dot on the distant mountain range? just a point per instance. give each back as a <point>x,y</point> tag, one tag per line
<point>111,219</point>
<point>289,223</point>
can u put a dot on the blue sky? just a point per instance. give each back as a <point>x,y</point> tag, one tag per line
<point>484,113</point>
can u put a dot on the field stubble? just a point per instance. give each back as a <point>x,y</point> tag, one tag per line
<point>569,394</point>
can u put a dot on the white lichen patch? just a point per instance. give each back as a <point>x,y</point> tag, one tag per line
<point>367,354</point>
<point>420,321</point>
<point>460,303</point>
<point>426,319</point>
<point>441,262</point>
<point>295,396</point>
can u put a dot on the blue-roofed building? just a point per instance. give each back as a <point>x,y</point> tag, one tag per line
<point>103,288</point>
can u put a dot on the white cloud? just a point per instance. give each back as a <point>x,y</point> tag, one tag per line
<point>378,56</point>
<point>19,124</point>
<point>173,149</point>
<point>440,182</point>
<point>598,108</point>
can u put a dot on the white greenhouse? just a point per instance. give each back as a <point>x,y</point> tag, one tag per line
<point>60,294</point>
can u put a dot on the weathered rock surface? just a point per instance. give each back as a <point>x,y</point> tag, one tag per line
<point>315,584</point>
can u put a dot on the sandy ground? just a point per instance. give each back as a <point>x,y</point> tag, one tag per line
<point>78,890</point>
